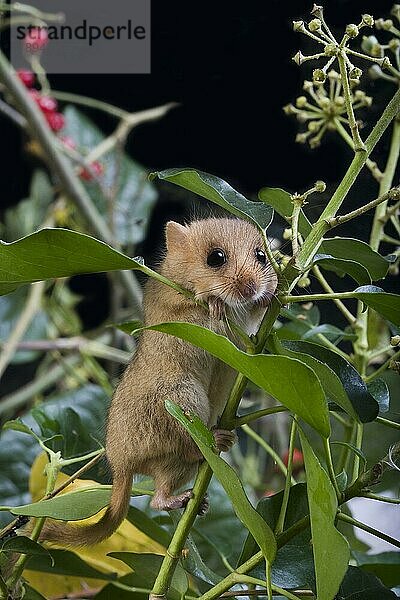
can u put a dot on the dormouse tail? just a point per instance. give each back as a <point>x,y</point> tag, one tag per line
<point>88,535</point>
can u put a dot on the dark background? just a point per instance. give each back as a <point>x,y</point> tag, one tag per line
<point>229,66</point>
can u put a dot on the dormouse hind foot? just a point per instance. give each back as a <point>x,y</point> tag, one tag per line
<point>162,502</point>
<point>224,439</point>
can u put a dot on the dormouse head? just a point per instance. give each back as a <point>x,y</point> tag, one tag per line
<point>220,258</point>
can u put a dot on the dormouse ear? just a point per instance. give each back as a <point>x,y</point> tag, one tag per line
<point>175,234</point>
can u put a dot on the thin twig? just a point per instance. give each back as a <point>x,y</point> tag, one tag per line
<point>32,306</point>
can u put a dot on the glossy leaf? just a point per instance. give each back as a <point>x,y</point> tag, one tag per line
<point>359,585</point>
<point>52,253</point>
<point>288,380</point>
<point>112,592</point>
<point>330,382</point>
<point>387,305</point>
<point>334,334</point>
<point>69,564</point>
<point>385,565</point>
<point>363,402</point>
<point>148,526</point>
<point>71,506</point>
<point>220,192</point>
<point>358,251</point>
<point>24,545</point>
<point>146,568</point>
<point>330,548</point>
<point>281,201</point>
<point>135,195</point>
<point>380,391</point>
<point>343,267</point>
<point>31,594</point>
<point>229,480</point>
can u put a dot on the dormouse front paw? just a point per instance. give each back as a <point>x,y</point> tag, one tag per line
<point>216,308</point>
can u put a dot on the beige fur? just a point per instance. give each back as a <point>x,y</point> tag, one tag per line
<point>141,436</point>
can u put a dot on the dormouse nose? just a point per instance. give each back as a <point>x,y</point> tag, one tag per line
<point>247,287</point>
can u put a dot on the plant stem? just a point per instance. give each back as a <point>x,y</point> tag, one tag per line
<point>312,241</point>
<point>312,297</point>
<point>334,221</point>
<point>260,582</point>
<point>280,523</point>
<point>358,143</point>
<point>380,498</point>
<point>258,414</point>
<point>71,184</point>
<point>388,423</point>
<point>90,103</point>
<point>27,315</point>
<point>331,470</point>
<point>372,166</point>
<point>379,534</point>
<point>358,444</point>
<point>343,309</point>
<point>250,432</point>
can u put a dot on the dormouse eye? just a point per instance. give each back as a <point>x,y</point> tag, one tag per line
<point>260,256</point>
<point>216,258</point>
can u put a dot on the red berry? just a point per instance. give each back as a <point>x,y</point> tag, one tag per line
<point>68,142</point>
<point>36,39</point>
<point>27,77</point>
<point>55,120</point>
<point>96,169</point>
<point>47,104</point>
<point>35,95</point>
<point>298,459</point>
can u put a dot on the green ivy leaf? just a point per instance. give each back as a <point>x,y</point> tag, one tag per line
<point>72,506</point>
<point>220,192</point>
<point>343,267</point>
<point>146,568</point>
<point>387,305</point>
<point>52,253</point>
<point>363,402</point>
<point>385,565</point>
<point>330,548</point>
<point>380,391</point>
<point>144,523</point>
<point>229,480</point>
<point>329,380</point>
<point>288,380</point>
<point>68,564</point>
<point>359,585</point>
<point>281,201</point>
<point>358,251</point>
<point>24,545</point>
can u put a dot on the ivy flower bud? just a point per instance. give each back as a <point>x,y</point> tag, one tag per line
<point>385,24</point>
<point>317,11</point>
<point>315,142</point>
<point>395,340</point>
<point>298,58</point>
<point>298,26</point>
<point>352,30</point>
<point>396,11</point>
<point>314,126</point>
<point>319,76</point>
<point>307,86</point>
<point>331,50</point>
<point>301,138</point>
<point>289,109</point>
<point>304,281</point>
<point>355,74</point>
<point>314,25</point>
<point>367,20</point>
<point>394,44</point>
<point>320,186</point>
<point>287,233</point>
<point>301,101</point>
<point>385,64</point>
<point>325,103</point>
